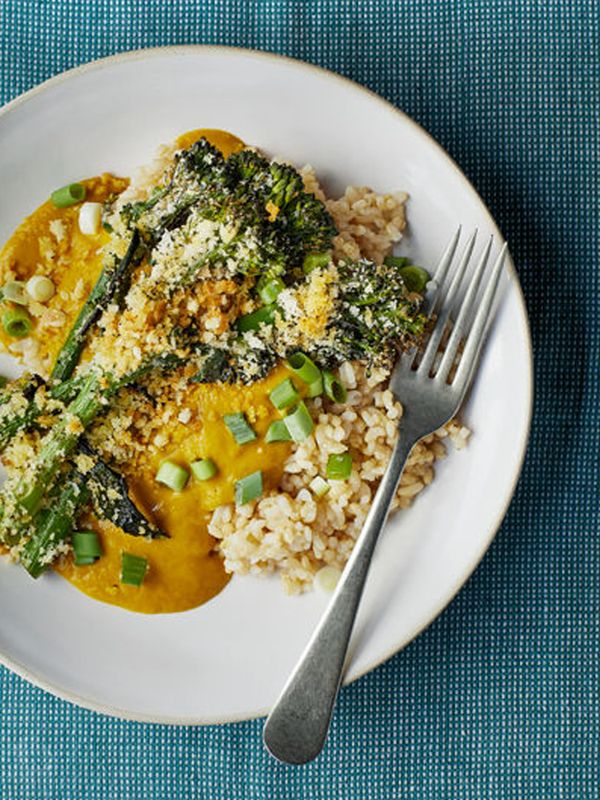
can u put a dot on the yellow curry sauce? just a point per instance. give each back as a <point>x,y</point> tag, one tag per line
<point>72,259</point>
<point>184,571</point>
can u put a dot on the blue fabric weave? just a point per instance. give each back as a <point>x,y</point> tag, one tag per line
<point>499,698</point>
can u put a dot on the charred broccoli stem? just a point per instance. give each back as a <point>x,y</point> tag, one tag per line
<point>113,280</point>
<point>53,526</point>
<point>21,405</point>
<point>94,394</point>
<point>17,408</point>
<point>60,443</point>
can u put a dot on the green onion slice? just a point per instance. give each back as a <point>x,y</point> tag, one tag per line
<point>248,488</point>
<point>339,466</point>
<point>203,470</point>
<point>415,278</point>
<point>270,289</point>
<point>86,547</point>
<point>15,292</point>
<point>334,389</point>
<point>314,261</point>
<point>278,432</point>
<point>315,389</point>
<point>239,428</point>
<point>299,423</point>
<point>302,366</point>
<point>172,475</point>
<point>252,322</point>
<point>284,394</point>
<point>17,323</point>
<point>396,261</point>
<point>68,195</point>
<point>133,569</point>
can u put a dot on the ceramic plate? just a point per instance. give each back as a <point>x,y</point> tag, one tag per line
<point>228,660</point>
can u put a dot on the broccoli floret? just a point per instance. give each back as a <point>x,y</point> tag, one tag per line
<point>373,317</point>
<point>275,222</point>
<point>286,185</point>
<point>268,184</point>
<point>308,225</point>
<point>289,223</point>
<point>206,163</point>
<point>199,176</point>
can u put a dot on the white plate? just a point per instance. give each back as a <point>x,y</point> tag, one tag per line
<point>228,660</point>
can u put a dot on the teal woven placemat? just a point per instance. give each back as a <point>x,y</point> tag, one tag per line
<point>499,698</point>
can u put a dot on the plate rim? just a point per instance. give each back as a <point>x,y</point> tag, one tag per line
<point>183,50</point>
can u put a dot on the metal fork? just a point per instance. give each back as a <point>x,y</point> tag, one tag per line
<point>431,384</point>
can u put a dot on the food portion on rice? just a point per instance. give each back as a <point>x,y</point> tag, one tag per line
<point>209,347</point>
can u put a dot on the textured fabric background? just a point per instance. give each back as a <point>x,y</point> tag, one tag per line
<point>499,698</point>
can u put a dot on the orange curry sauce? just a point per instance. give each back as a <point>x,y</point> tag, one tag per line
<point>184,571</point>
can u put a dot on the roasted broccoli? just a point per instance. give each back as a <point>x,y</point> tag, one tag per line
<point>374,316</point>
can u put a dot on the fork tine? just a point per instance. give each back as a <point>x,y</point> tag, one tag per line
<point>468,360</point>
<point>432,294</point>
<point>438,330</point>
<point>447,257</point>
<point>441,271</point>
<point>460,324</point>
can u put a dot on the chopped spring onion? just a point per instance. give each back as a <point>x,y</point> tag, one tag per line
<point>334,389</point>
<point>319,486</point>
<point>315,389</point>
<point>172,475</point>
<point>86,547</point>
<point>339,466</point>
<point>299,423</point>
<point>396,261</point>
<point>15,292</point>
<point>284,394</point>
<point>415,278</point>
<point>3,381</point>
<point>304,368</point>
<point>133,569</point>
<point>239,428</point>
<point>269,290</point>
<point>17,323</point>
<point>314,261</point>
<point>327,578</point>
<point>68,195</point>
<point>277,432</point>
<point>203,470</point>
<point>248,488</point>
<point>40,288</point>
<point>252,322</point>
<point>90,218</point>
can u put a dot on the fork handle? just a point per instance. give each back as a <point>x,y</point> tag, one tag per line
<point>297,726</point>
